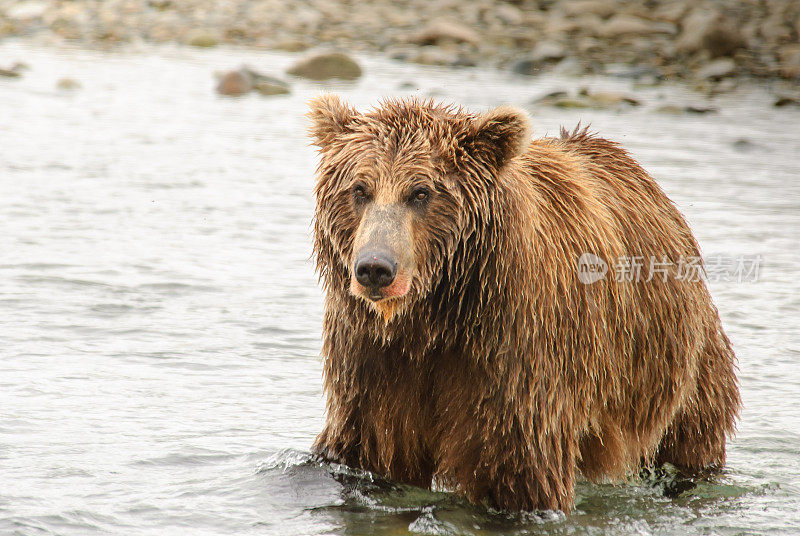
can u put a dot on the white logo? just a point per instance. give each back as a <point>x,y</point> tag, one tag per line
<point>591,268</point>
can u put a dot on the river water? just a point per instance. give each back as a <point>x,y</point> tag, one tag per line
<point>160,316</point>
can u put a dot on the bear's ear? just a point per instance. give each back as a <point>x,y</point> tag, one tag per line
<point>330,117</point>
<point>498,136</point>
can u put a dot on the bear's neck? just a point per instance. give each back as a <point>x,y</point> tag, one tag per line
<point>484,275</point>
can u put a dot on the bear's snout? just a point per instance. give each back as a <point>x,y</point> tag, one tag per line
<point>375,270</point>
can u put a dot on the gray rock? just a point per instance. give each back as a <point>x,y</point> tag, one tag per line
<point>705,29</point>
<point>444,32</point>
<point>789,58</point>
<point>265,84</point>
<point>587,99</point>
<point>606,99</point>
<point>261,77</point>
<point>325,66</point>
<point>569,67</point>
<point>544,53</point>
<point>429,55</point>
<point>622,25</point>
<point>548,97</point>
<point>694,27</point>
<point>634,72</point>
<point>776,29</point>
<point>601,8</point>
<point>508,14</point>
<point>547,51</point>
<point>723,39</point>
<point>717,69</point>
<point>245,79</point>
<point>24,11</point>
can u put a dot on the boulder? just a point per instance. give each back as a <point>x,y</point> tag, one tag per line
<point>325,66</point>
<point>587,99</point>
<point>601,8</point>
<point>201,38</point>
<point>15,71</point>
<point>270,88</point>
<point>674,109</point>
<point>445,32</point>
<point>235,83</point>
<point>723,39</point>
<point>245,79</point>
<point>789,59</point>
<point>717,69</point>
<point>781,102</point>
<point>624,25</point>
<point>26,11</point>
<point>706,29</point>
<point>545,52</point>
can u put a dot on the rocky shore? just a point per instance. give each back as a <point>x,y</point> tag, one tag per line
<point>710,43</point>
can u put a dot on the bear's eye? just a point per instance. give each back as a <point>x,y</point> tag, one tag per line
<point>419,195</point>
<point>359,192</point>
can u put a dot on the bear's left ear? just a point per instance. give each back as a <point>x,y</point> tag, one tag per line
<point>498,136</point>
<point>330,117</point>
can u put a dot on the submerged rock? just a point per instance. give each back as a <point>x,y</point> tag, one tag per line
<point>674,109</point>
<point>743,144</point>
<point>235,83</point>
<point>586,99</point>
<point>68,84</point>
<point>15,71</point>
<point>271,88</point>
<point>326,65</point>
<point>245,79</point>
<point>610,98</point>
<point>786,101</point>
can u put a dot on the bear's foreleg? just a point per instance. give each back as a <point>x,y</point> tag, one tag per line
<point>513,464</point>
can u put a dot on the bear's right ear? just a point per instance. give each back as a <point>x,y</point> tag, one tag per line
<point>330,118</point>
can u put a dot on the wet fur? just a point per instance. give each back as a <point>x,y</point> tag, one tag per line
<point>501,374</point>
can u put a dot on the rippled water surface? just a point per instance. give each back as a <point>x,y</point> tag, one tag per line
<point>160,317</point>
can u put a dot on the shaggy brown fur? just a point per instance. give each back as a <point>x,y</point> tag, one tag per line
<point>499,373</point>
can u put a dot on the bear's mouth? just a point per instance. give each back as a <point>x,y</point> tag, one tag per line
<point>382,297</point>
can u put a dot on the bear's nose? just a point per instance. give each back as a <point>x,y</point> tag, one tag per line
<point>375,270</point>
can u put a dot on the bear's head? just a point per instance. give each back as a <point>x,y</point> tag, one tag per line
<point>400,188</point>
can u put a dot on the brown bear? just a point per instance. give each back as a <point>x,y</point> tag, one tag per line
<point>463,343</point>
